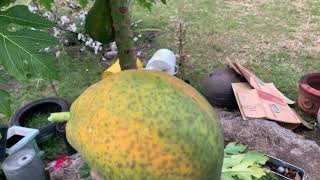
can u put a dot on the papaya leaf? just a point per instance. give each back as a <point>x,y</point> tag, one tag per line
<point>5,103</point>
<point>20,55</point>
<point>233,148</point>
<point>22,16</point>
<point>45,3</point>
<point>20,48</point>
<point>232,160</point>
<point>256,156</point>
<point>245,170</point>
<point>241,165</point>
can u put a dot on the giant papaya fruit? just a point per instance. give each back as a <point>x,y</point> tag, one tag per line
<point>141,124</point>
<point>99,23</point>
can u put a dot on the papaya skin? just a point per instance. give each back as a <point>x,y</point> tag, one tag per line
<point>141,124</point>
<point>99,23</point>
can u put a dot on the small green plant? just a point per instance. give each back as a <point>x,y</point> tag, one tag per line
<point>241,165</point>
<point>53,148</point>
<point>37,121</point>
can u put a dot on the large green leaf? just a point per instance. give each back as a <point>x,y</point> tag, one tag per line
<point>256,156</point>
<point>245,170</point>
<point>238,165</point>
<point>22,16</point>
<point>20,55</point>
<point>233,148</point>
<point>20,49</point>
<point>5,103</point>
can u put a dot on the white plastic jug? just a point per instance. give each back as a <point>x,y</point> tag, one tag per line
<point>163,60</point>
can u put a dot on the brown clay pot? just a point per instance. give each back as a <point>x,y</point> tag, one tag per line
<point>217,88</point>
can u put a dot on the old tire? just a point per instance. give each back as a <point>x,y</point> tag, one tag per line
<point>42,106</point>
<point>61,129</point>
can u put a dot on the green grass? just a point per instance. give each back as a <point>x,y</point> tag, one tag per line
<point>275,39</point>
<point>75,75</point>
<point>53,149</point>
<point>37,121</point>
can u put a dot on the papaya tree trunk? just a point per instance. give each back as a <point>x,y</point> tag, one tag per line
<point>123,33</point>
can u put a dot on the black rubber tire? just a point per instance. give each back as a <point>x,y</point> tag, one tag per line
<point>42,106</point>
<point>3,142</point>
<point>61,129</point>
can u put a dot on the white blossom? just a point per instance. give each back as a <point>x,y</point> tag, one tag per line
<point>113,46</point>
<point>82,16</point>
<point>135,39</point>
<point>64,20</point>
<point>46,49</point>
<point>73,5</point>
<point>97,47</point>
<point>73,27</point>
<point>48,15</point>
<point>32,8</point>
<point>88,42</point>
<point>58,54</point>
<point>56,31</point>
<point>81,37</point>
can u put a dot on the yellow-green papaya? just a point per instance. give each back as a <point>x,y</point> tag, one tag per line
<point>141,124</point>
<point>99,23</point>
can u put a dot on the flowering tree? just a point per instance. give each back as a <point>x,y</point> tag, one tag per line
<point>24,37</point>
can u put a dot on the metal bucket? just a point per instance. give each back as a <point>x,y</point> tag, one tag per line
<point>24,164</point>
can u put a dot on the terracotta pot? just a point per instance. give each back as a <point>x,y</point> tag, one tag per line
<point>309,94</point>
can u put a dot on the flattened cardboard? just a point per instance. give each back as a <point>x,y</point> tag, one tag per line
<point>255,104</point>
<point>257,99</point>
<point>257,83</point>
<point>258,104</point>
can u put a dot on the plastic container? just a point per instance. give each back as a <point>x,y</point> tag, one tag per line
<point>281,163</point>
<point>23,165</point>
<point>21,137</point>
<point>163,60</point>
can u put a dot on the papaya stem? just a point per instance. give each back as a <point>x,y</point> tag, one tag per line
<point>123,33</point>
<point>59,117</point>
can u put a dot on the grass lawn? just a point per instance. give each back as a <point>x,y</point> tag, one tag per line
<point>278,40</point>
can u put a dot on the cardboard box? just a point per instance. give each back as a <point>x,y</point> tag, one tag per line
<point>257,99</point>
